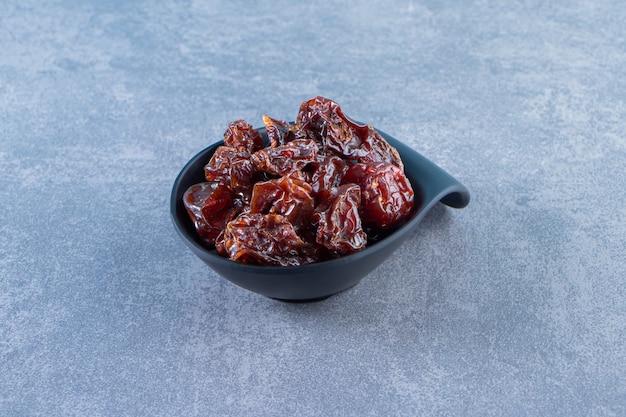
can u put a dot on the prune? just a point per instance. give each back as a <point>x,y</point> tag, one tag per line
<point>210,206</point>
<point>287,196</point>
<point>338,222</point>
<point>323,120</point>
<point>232,168</point>
<point>379,150</point>
<point>327,173</point>
<point>218,167</point>
<point>243,137</point>
<point>278,131</point>
<point>283,159</point>
<point>386,193</point>
<point>265,239</point>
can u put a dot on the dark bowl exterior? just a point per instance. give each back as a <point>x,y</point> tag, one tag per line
<point>320,280</point>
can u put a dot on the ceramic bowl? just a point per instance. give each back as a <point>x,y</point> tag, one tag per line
<point>319,280</point>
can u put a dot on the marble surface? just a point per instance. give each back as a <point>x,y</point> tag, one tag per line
<point>513,306</point>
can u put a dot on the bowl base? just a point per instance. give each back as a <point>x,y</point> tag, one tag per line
<point>311,300</point>
<point>306,300</point>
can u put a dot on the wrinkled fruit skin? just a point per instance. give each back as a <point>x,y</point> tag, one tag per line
<point>243,137</point>
<point>338,222</point>
<point>232,168</point>
<point>327,173</point>
<point>278,132</point>
<point>286,196</point>
<point>387,195</point>
<point>323,188</point>
<point>323,120</point>
<point>210,206</point>
<point>282,160</point>
<point>378,150</point>
<point>265,239</point>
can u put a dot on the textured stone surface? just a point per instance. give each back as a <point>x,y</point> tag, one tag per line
<point>515,305</point>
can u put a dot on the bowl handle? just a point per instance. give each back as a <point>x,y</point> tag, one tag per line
<point>456,199</point>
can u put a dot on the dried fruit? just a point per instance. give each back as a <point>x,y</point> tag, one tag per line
<point>265,239</point>
<point>286,158</point>
<point>210,206</point>
<point>243,137</point>
<point>387,195</point>
<point>338,222</point>
<point>287,196</point>
<point>322,188</point>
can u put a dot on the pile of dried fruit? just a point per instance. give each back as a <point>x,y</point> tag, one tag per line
<point>321,187</point>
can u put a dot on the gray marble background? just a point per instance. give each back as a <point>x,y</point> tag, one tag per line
<point>513,306</point>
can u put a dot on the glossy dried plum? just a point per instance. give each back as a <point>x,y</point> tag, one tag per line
<point>232,168</point>
<point>210,206</point>
<point>243,137</point>
<point>278,132</point>
<point>379,150</point>
<point>327,173</point>
<point>323,120</point>
<point>283,159</point>
<point>265,239</point>
<point>338,220</point>
<point>287,196</point>
<point>386,193</point>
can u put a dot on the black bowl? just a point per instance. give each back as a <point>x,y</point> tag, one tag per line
<point>319,280</point>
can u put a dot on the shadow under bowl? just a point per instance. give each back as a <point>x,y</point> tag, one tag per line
<point>320,280</point>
